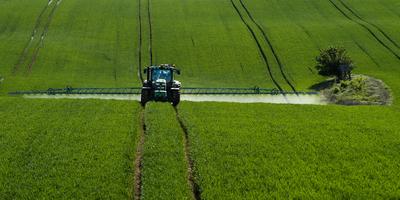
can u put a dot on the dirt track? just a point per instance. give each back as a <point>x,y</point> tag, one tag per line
<point>194,187</point>
<point>139,157</point>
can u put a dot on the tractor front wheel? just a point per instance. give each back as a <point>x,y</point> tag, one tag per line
<point>175,98</point>
<point>145,97</point>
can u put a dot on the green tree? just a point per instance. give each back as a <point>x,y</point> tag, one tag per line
<point>334,61</point>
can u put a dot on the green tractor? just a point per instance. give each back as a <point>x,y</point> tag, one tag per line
<point>160,85</point>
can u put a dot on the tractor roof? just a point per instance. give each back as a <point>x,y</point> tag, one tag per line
<point>163,66</point>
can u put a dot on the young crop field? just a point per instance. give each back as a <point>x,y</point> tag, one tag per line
<point>261,152</point>
<point>67,149</point>
<point>248,43</point>
<point>107,149</point>
<point>289,35</point>
<point>75,43</point>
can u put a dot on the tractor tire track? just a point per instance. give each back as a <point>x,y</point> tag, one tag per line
<point>309,36</point>
<point>263,55</point>
<point>140,42</point>
<point>302,27</point>
<point>139,156</point>
<point>368,54</point>
<point>24,52</point>
<point>43,35</point>
<point>269,45</point>
<point>150,32</point>
<point>366,28</point>
<point>371,24</point>
<point>195,188</point>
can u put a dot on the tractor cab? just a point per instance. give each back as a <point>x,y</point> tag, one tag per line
<point>161,74</point>
<point>163,71</point>
<point>160,84</point>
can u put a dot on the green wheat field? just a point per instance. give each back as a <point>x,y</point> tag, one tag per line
<point>90,148</point>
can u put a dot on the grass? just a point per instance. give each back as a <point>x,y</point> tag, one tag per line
<point>67,149</point>
<point>261,151</point>
<point>164,173</point>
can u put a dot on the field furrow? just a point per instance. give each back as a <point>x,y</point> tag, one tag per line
<point>150,32</point>
<point>365,51</point>
<point>373,34</point>
<point>36,40</point>
<point>263,54</point>
<point>145,37</point>
<point>371,24</point>
<point>271,47</point>
<point>379,15</point>
<point>24,53</point>
<point>82,52</point>
<point>195,188</point>
<point>139,49</point>
<point>283,35</point>
<point>208,42</point>
<point>298,29</point>
<point>139,156</point>
<point>164,168</point>
<point>43,35</point>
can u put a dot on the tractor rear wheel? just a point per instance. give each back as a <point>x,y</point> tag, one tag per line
<point>145,97</point>
<point>175,98</point>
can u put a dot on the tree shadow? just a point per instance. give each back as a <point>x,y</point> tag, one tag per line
<point>323,85</point>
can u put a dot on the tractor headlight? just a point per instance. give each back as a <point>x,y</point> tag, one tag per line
<point>176,84</point>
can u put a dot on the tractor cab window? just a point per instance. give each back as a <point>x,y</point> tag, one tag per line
<point>161,74</point>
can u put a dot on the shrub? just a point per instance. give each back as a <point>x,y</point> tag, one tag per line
<point>334,61</point>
